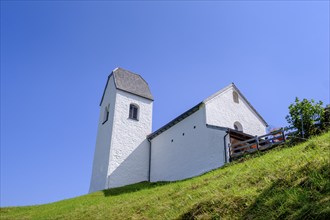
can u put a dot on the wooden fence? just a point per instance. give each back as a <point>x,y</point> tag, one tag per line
<point>259,143</point>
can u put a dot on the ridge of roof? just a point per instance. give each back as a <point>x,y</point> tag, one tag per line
<point>217,93</point>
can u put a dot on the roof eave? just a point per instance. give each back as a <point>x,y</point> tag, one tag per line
<point>151,99</point>
<point>262,119</point>
<point>105,88</point>
<point>174,121</point>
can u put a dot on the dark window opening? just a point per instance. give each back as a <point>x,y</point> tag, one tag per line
<point>182,134</point>
<point>238,126</point>
<point>133,112</point>
<point>105,114</point>
<point>235,97</point>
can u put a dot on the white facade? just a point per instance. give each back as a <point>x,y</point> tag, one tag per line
<point>129,155</point>
<point>187,149</point>
<point>190,147</point>
<point>193,143</point>
<point>221,110</point>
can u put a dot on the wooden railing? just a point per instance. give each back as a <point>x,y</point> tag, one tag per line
<point>259,143</point>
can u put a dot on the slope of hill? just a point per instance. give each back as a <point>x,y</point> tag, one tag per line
<point>285,183</point>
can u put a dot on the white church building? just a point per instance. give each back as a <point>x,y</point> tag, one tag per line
<point>195,142</point>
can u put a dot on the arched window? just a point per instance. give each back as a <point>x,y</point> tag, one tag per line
<point>238,126</point>
<point>235,97</point>
<point>133,112</point>
<point>106,114</point>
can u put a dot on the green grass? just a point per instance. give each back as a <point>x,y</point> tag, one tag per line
<point>284,183</point>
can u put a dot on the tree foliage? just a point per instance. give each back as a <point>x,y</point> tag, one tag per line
<point>306,116</point>
<point>326,118</point>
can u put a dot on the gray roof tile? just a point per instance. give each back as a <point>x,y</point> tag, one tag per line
<point>129,82</point>
<point>132,83</point>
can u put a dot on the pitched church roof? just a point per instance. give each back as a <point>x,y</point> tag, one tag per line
<point>198,106</point>
<point>129,82</point>
<point>175,121</point>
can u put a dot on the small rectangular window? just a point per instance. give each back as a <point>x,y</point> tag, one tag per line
<point>235,97</point>
<point>133,112</point>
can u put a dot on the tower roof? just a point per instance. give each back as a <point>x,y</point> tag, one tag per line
<point>129,82</point>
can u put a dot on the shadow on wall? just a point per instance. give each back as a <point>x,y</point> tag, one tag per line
<point>133,170</point>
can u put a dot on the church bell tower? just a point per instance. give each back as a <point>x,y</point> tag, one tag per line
<point>122,151</point>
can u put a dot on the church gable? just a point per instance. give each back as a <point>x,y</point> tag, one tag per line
<point>229,108</point>
<point>223,107</point>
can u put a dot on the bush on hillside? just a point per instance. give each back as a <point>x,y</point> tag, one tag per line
<point>307,117</point>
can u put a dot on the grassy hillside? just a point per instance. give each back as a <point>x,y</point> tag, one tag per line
<point>286,183</point>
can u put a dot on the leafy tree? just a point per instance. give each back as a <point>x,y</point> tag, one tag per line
<point>306,116</point>
<point>326,118</point>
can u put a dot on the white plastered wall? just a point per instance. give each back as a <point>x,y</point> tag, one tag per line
<point>103,140</point>
<point>221,110</point>
<point>129,156</point>
<point>199,150</point>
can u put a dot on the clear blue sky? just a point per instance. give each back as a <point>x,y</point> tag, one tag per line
<point>56,56</point>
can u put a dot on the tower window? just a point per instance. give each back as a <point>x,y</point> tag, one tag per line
<point>106,114</point>
<point>235,97</point>
<point>133,112</point>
